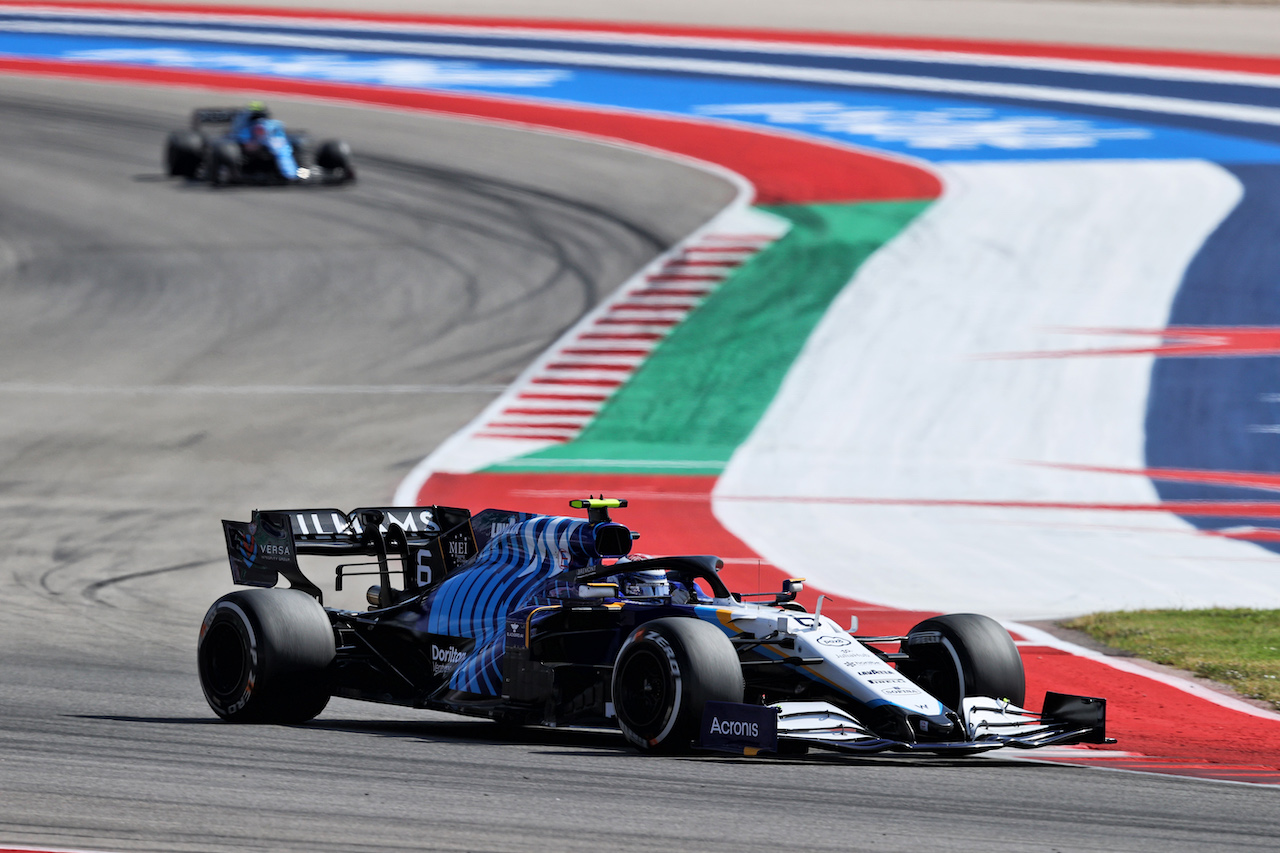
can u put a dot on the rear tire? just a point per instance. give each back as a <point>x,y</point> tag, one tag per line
<point>988,661</point>
<point>225,164</point>
<point>263,656</point>
<point>667,671</point>
<point>183,154</point>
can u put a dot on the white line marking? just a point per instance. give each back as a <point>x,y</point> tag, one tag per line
<point>232,390</point>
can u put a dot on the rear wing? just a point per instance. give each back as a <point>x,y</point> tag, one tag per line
<point>213,115</point>
<point>430,542</point>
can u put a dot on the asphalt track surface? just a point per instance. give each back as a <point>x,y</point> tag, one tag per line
<point>171,355</point>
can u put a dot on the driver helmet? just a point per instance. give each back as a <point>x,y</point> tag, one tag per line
<point>257,110</point>
<point>652,583</point>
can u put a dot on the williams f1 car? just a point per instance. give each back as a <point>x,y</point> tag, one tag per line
<point>535,619</point>
<point>247,146</point>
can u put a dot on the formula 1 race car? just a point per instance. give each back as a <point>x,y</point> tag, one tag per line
<point>246,145</point>
<point>536,619</point>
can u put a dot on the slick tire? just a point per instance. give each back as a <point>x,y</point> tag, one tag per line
<point>964,654</point>
<point>263,656</point>
<point>667,670</point>
<point>225,164</point>
<point>334,157</point>
<point>183,154</point>
<point>304,150</point>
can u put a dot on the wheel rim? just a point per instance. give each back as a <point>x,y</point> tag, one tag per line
<point>643,689</point>
<point>223,659</point>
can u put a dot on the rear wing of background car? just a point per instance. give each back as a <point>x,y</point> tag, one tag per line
<point>429,542</point>
<point>213,115</point>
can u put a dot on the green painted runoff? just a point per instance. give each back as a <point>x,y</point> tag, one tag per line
<point>706,385</point>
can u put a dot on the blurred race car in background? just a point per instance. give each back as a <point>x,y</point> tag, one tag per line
<point>548,620</point>
<point>245,145</point>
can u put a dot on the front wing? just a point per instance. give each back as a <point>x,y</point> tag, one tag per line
<point>990,724</point>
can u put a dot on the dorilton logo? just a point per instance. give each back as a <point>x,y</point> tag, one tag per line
<point>734,728</point>
<point>445,660</point>
<point>834,640</point>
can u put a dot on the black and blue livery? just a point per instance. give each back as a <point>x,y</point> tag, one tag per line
<point>536,619</point>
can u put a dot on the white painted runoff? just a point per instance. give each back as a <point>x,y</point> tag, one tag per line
<point>917,393</point>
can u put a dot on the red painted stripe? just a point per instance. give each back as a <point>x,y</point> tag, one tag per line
<point>550,412</point>
<point>679,277</point>
<point>552,380</point>
<point>657,292</point>
<point>627,306</point>
<point>1251,534</point>
<point>634,321</point>
<point>732,263</point>
<point>637,353</point>
<point>783,168</point>
<point>1176,342</point>
<point>1252,479</point>
<point>621,336</point>
<point>977,47</point>
<point>496,425</point>
<point>571,365</point>
<point>530,395</point>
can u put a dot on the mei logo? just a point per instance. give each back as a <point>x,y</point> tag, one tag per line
<point>734,728</point>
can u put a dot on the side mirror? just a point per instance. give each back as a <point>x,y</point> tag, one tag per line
<point>791,587</point>
<point>612,540</point>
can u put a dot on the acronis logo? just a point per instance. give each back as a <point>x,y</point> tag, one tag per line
<point>734,728</point>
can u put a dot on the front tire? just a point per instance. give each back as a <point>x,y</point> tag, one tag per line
<point>334,157</point>
<point>964,654</point>
<point>263,656</point>
<point>667,671</point>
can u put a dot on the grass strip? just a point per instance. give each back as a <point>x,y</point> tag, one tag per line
<point>1239,648</point>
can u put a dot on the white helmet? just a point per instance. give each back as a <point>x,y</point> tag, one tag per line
<point>647,584</point>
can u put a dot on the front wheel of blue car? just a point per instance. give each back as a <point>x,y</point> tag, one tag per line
<point>667,671</point>
<point>263,656</point>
